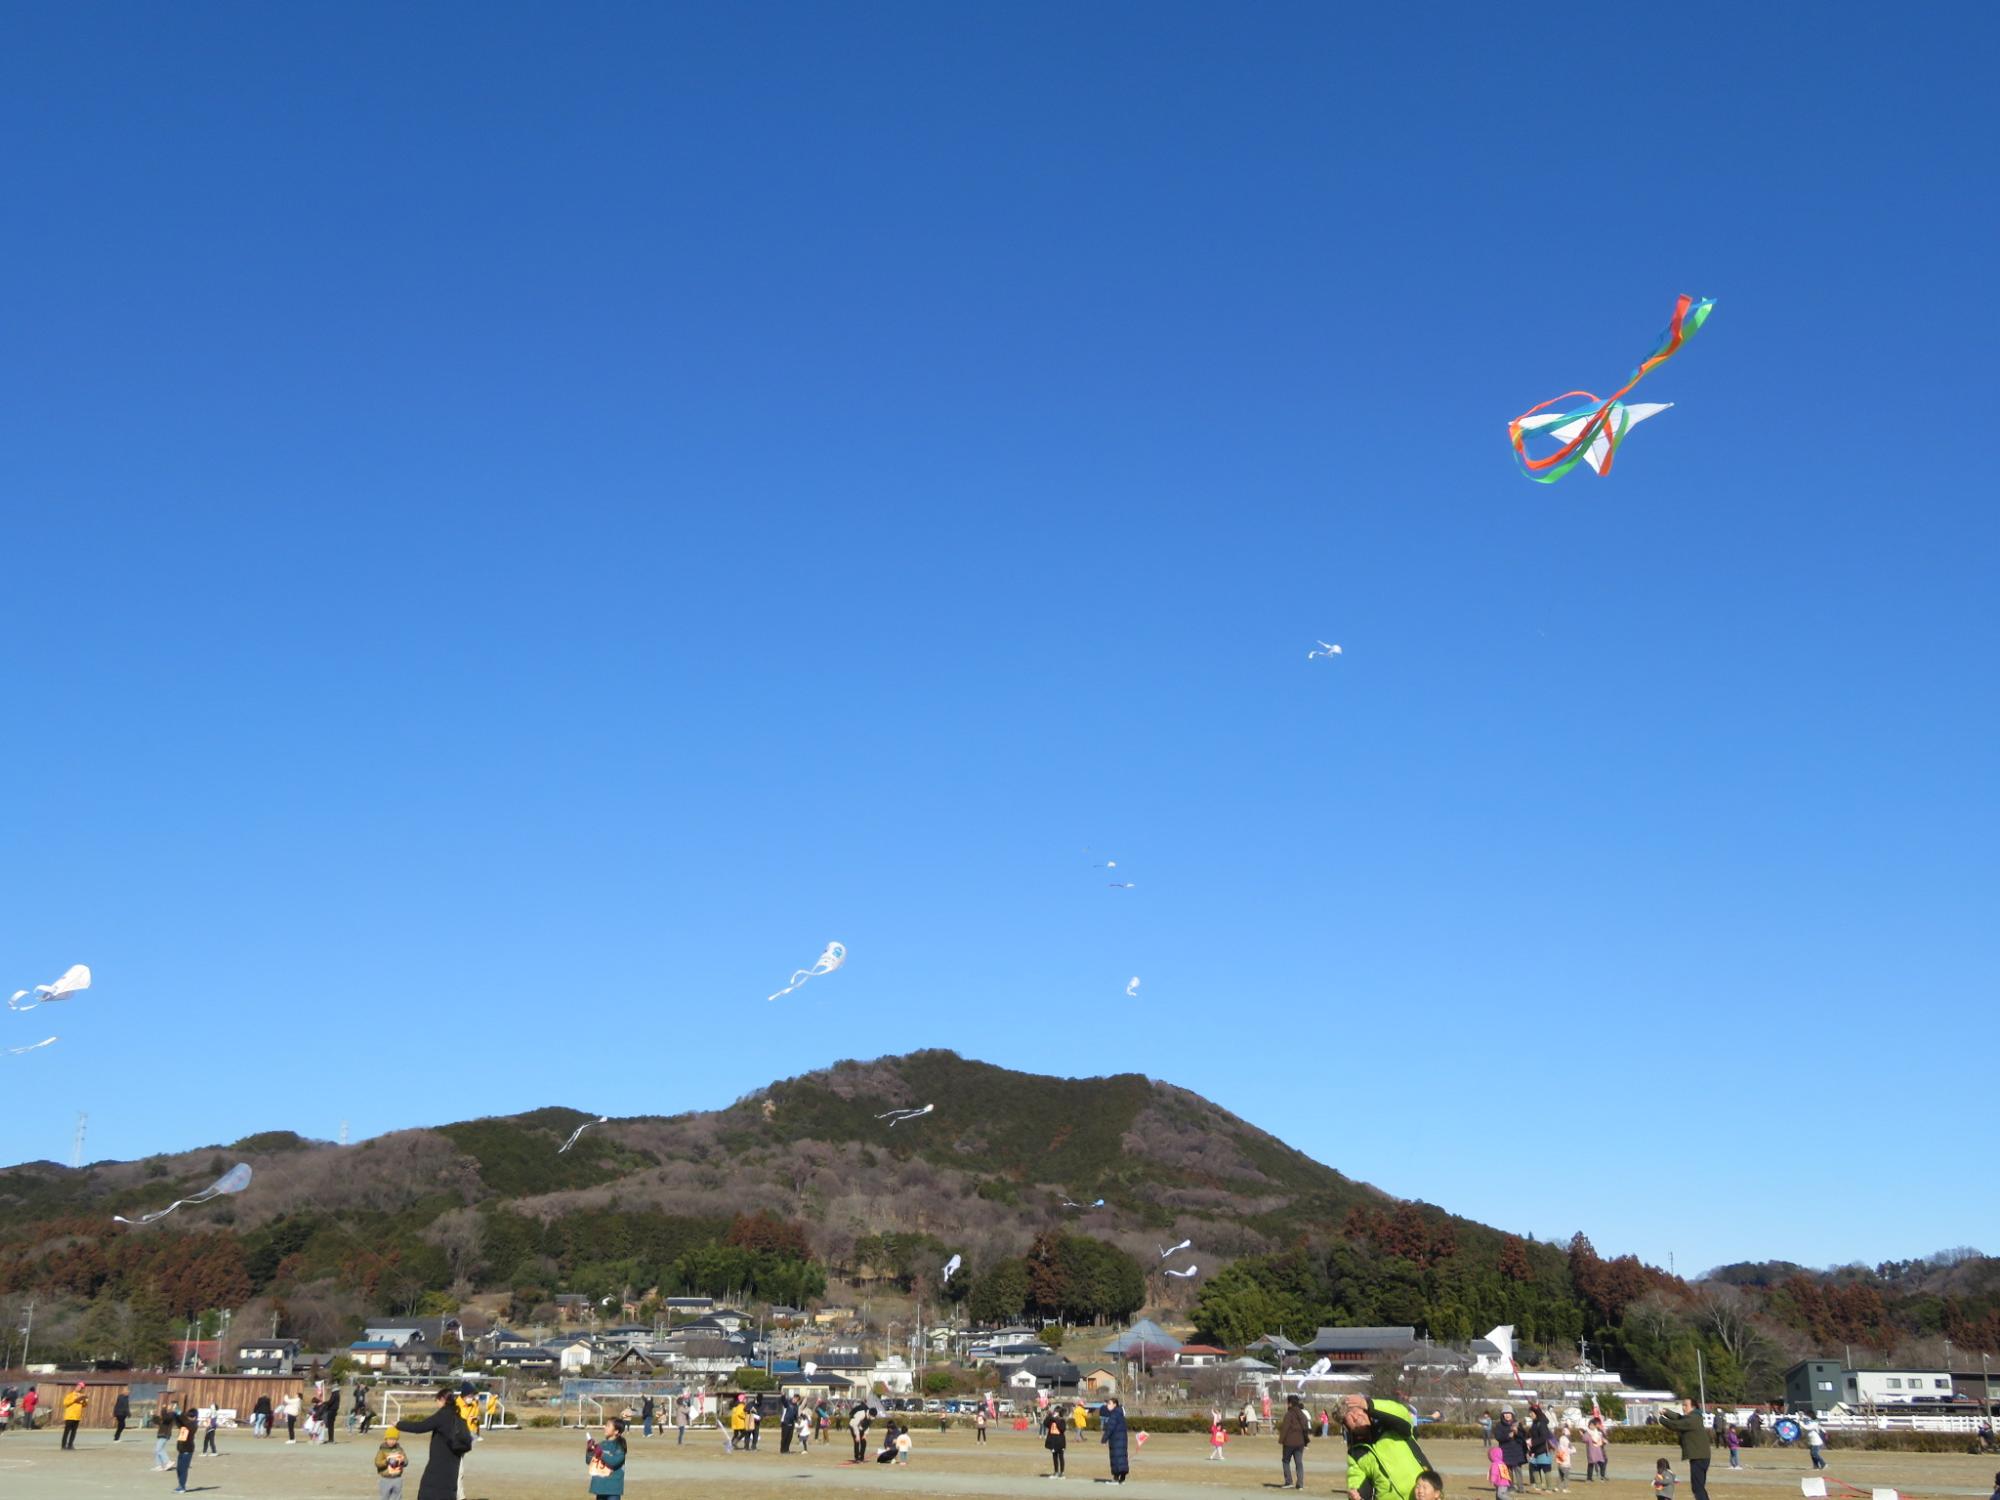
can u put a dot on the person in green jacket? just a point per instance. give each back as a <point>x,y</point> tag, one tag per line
<point>1693,1432</point>
<point>1382,1449</point>
<point>607,1460</point>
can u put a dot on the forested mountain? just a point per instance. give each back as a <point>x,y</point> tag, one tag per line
<point>801,1192</point>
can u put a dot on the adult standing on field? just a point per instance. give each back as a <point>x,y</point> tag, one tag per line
<point>121,1413</point>
<point>451,1440</point>
<point>1512,1441</point>
<point>1113,1436</point>
<point>1695,1446</point>
<point>73,1404</point>
<point>1383,1459</point>
<point>1294,1432</point>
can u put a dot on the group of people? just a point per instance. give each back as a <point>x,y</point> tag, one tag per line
<point>1539,1453</point>
<point>1112,1434</point>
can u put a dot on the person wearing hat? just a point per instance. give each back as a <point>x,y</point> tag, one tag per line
<point>1511,1438</point>
<point>1383,1459</point>
<point>73,1404</point>
<point>468,1413</point>
<point>390,1461</point>
<point>1294,1432</point>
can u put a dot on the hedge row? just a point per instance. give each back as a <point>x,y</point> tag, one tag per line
<point>1869,1442</point>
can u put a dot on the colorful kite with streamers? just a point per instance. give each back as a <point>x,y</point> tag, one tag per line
<point>1591,435</point>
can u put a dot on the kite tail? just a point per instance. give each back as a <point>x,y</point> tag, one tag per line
<point>1686,322</point>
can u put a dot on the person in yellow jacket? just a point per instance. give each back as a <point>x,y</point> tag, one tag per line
<point>468,1411</point>
<point>739,1424</point>
<point>73,1404</point>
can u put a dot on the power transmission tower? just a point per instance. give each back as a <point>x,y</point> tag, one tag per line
<point>76,1148</point>
<point>343,1132</point>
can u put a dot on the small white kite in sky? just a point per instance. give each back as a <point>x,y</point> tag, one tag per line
<point>235,1180</point>
<point>833,958</point>
<point>1109,864</point>
<point>1132,987</point>
<point>17,1051</point>
<point>1176,1249</point>
<point>600,1120</point>
<point>1123,885</point>
<point>1068,1204</point>
<point>896,1117</point>
<point>1320,1367</point>
<point>1326,648</point>
<point>76,977</point>
<point>1185,1274</point>
<point>951,1267</point>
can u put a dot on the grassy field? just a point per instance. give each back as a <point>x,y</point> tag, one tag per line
<point>542,1464</point>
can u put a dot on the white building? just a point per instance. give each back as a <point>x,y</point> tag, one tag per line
<point>1896,1387</point>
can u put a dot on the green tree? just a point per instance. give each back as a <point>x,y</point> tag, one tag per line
<point>751,1378</point>
<point>151,1332</point>
<point>1001,1294</point>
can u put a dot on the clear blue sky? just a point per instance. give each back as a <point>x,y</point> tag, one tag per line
<point>521,525</point>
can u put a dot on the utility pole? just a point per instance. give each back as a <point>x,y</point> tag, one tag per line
<point>1701,1378</point>
<point>27,1333</point>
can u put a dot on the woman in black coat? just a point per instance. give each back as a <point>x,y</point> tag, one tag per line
<point>451,1440</point>
<point>1055,1437</point>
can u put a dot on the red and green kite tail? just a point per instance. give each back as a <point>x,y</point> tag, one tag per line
<point>1688,317</point>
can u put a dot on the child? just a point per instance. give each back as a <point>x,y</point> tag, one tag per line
<point>209,1428</point>
<point>1663,1480</point>
<point>390,1461</point>
<point>1429,1486</point>
<point>903,1447</point>
<point>1216,1438</point>
<point>1735,1445</point>
<point>1496,1471</point>
<point>1563,1455</point>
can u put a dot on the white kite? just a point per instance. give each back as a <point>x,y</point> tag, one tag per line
<point>76,977</point>
<point>1109,864</point>
<point>1066,1203</point>
<point>1184,1274</point>
<point>896,1117</point>
<point>1326,648</point>
<point>1176,1250</point>
<point>600,1120</point>
<point>1567,427</point>
<point>17,1051</point>
<point>1132,987</point>
<point>235,1180</point>
<point>1320,1367</point>
<point>1123,885</point>
<point>833,958</point>
<point>951,1268</point>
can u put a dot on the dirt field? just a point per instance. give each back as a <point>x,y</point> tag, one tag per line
<point>543,1464</point>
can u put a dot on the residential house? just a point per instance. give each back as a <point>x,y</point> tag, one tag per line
<point>1362,1346</point>
<point>632,1360</point>
<point>572,1307</point>
<point>530,1359</point>
<point>497,1341</point>
<point>627,1335</point>
<point>404,1332</point>
<point>574,1351</point>
<point>1277,1343</point>
<point>1813,1385</point>
<point>266,1356</point>
<point>1199,1356</point>
<point>196,1356</point>
<point>1145,1343</point>
<point>687,1307</point>
<point>729,1319</point>
<point>1100,1382</point>
<point>833,1317</point>
<point>1046,1373</point>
